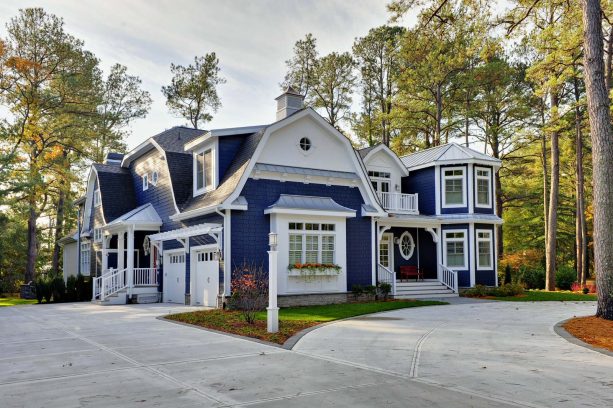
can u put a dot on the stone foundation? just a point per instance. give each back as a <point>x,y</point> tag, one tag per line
<point>314,299</point>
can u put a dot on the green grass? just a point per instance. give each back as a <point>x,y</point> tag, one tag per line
<point>544,296</point>
<point>15,301</point>
<point>291,320</point>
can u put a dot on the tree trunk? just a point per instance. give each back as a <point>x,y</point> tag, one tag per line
<point>609,65</point>
<point>439,117</point>
<point>59,229</point>
<point>32,241</point>
<point>545,187</point>
<point>581,228</point>
<point>554,185</point>
<point>602,154</point>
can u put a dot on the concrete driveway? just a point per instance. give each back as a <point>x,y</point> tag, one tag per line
<point>505,350</point>
<point>83,355</point>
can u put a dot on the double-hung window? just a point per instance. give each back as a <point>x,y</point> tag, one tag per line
<point>485,259</point>
<point>454,187</point>
<point>203,162</point>
<point>85,258</point>
<point>145,182</point>
<point>483,186</point>
<point>98,234</point>
<point>312,243</point>
<point>455,255</point>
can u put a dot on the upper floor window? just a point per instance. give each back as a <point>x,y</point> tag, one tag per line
<point>204,171</point>
<point>380,181</point>
<point>97,234</point>
<point>97,198</point>
<point>454,187</point>
<point>145,182</point>
<point>154,178</point>
<point>483,186</point>
<point>85,257</point>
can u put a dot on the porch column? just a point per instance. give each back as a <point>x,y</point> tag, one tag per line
<point>130,267</point>
<point>121,250</point>
<point>105,260</point>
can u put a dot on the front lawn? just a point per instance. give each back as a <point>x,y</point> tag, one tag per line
<point>12,301</point>
<point>291,319</point>
<point>544,296</point>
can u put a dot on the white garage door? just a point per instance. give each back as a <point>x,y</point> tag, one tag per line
<point>206,280</point>
<point>174,277</point>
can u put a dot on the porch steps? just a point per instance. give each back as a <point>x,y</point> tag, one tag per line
<point>422,290</point>
<point>118,298</point>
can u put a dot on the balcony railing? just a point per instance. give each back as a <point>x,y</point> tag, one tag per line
<point>398,202</point>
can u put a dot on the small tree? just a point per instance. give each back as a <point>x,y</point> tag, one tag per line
<point>193,89</point>
<point>249,291</point>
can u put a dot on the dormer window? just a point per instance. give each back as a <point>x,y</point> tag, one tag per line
<point>483,186</point>
<point>454,187</point>
<point>380,181</point>
<point>203,169</point>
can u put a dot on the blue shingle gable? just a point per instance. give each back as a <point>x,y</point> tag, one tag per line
<point>422,182</point>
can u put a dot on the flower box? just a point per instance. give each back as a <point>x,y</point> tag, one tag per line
<point>308,270</point>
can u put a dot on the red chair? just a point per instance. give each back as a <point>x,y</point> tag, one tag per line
<point>408,272</point>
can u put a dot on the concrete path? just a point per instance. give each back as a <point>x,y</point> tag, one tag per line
<point>504,350</point>
<point>84,355</point>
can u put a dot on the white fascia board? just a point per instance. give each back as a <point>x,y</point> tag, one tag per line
<point>390,152</point>
<point>220,133</point>
<point>297,211</point>
<point>137,151</point>
<point>180,216</point>
<point>399,222</point>
<point>496,164</point>
<point>469,221</point>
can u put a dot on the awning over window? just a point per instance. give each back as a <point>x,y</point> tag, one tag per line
<point>297,204</point>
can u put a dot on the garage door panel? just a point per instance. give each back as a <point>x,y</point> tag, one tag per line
<point>206,283</point>
<point>174,278</point>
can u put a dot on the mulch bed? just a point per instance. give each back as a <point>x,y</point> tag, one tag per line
<point>593,330</point>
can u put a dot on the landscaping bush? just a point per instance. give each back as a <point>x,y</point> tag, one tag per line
<point>586,290</point>
<point>249,291</point>
<point>509,289</point>
<point>532,278</point>
<point>58,289</point>
<point>83,288</point>
<point>71,289</point>
<point>357,291</point>
<point>507,274</point>
<point>477,291</point>
<point>565,276</point>
<point>43,290</point>
<point>384,290</point>
<point>370,290</point>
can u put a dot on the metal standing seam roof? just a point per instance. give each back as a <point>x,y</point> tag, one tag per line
<point>273,168</point>
<point>311,203</point>
<point>434,154</point>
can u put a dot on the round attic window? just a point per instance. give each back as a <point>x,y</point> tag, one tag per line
<point>305,144</point>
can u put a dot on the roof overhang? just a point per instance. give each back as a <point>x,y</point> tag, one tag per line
<point>139,150</point>
<point>194,144</point>
<point>309,205</point>
<point>489,163</point>
<point>143,218</point>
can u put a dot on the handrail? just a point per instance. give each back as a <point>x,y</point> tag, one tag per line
<point>399,202</point>
<point>145,277</point>
<point>387,276</point>
<point>449,277</point>
<point>109,283</point>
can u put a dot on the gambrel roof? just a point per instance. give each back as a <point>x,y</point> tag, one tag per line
<point>116,190</point>
<point>450,153</point>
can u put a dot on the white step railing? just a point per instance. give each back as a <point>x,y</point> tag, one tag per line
<point>109,283</point>
<point>449,277</point>
<point>145,277</point>
<point>399,202</point>
<point>384,275</point>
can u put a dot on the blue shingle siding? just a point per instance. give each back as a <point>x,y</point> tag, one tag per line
<point>181,175</point>
<point>458,210</point>
<point>250,228</point>
<point>228,146</point>
<point>464,274</point>
<point>482,210</point>
<point>422,182</point>
<point>116,190</point>
<point>485,277</point>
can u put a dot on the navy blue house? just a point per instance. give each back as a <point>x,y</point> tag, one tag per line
<point>177,217</point>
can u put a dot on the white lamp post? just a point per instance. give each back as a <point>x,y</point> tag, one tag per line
<point>272,309</point>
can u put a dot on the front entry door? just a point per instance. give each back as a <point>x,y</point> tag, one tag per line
<point>207,278</point>
<point>386,251</point>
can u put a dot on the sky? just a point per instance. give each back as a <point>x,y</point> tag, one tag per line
<point>252,39</point>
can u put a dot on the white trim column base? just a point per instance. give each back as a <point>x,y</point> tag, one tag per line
<point>272,314</point>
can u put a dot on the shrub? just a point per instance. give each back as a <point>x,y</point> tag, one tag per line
<point>508,289</point>
<point>532,278</point>
<point>43,290</point>
<point>384,290</point>
<point>586,290</point>
<point>58,289</point>
<point>249,291</point>
<point>592,288</point>
<point>370,290</point>
<point>71,288</point>
<point>575,287</point>
<point>507,274</point>
<point>83,288</point>
<point>565,276</point>
<point>477,291</point>
<point>357,290</point>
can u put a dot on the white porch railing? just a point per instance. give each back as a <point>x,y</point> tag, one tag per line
<point>109,283</point>
<point>145,277</point>
<point>399,202</point>
<point>386,276</point>
<point>449,278</point>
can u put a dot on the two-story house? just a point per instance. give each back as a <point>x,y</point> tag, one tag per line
<point>176,217</point>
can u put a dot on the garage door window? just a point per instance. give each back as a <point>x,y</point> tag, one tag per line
<point>177,259</point>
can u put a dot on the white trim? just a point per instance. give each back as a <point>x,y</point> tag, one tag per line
<point>490,184</point>
<point>374,251</point>
<point>194,144</point>
<point>137,151</point>
<point>464,240</point>
<point>456,162</point>
<point>390,238</point>
<point>391,153</point>
<point>495,228</point>
<point>444,186</point>
<point>297,211</point>
<point>491,241</point>
<point>145,181</point>
<point>193,260</point>
<point>227,248</point>
<point>471,259</point>
<point>437,188</point>
<point>97,197</point>
<point>402,254</point>
<point>470,189</point>
<point>214,149</point>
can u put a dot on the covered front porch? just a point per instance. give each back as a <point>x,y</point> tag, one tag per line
<point>129,263</point>
<point>408,257</point>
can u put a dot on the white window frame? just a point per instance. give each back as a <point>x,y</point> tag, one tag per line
<point>444,186</point>
<point>402,254</point>
<point>97,234</point>
<point>155,176</point>
<point>491,242</point>
<point>146,182</point>
<point>464,240</point>
<point>204,189</point>
<point>97,198</point>
<point>303,233</point>
<point>85,258</point>
<point>489,187</point>
<point>378,181</point>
